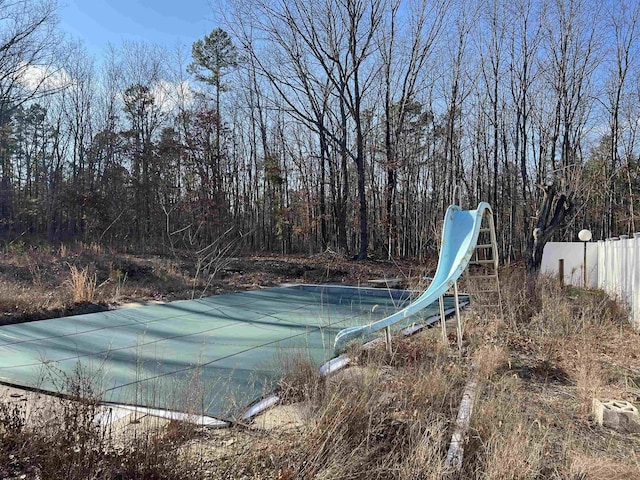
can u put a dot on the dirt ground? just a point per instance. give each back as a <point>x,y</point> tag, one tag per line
<point>39,283</point>
<point>46,282</point>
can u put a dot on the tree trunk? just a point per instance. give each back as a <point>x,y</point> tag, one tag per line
<point>550,217</point>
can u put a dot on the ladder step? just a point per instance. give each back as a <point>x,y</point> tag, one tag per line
<point>482,262</point>
<point>485,230</point>
<point>486,245</point>
<point>484,277</point>
<point>486,305</point>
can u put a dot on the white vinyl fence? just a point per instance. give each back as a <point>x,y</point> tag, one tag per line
<point>619,271</point>
<point>572,253</point>
<point>612,265</point>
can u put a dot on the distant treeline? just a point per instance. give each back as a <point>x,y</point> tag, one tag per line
<point>301,126</point>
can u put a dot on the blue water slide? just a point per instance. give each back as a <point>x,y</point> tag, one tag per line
<point>459,238</point>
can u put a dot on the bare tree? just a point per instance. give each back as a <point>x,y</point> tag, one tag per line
<point>523,49</point>
<point>625,31</point>
<point>28,41</point>
<point>404,60</point>
<point>457,86</point>
<point>570,40</point>
<point>326,43</point>
<point>558,203</point>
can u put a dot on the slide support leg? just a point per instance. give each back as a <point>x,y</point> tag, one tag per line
<point>387,336</point>
<point>458,321</point>
<point>442,321</point>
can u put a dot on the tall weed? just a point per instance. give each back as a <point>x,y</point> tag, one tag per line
<point>82,284</point>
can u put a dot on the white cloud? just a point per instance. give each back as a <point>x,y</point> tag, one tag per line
<point>43,77</point>
<point>170,96</point>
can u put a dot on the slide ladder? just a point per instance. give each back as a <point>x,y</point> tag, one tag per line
<point>483,282</point>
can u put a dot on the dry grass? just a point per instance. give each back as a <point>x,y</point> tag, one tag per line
<point>387,416</point>
<point>17,299</point>
<point>487,359</point>
<point>41,282</point>
<point>60,440</point>
<point>36,281</point>
<point>601,468</point>
<point>391,414</point>
<point>82,284</point>
<point>379,424</point>
<point>514,451</point>
<point>554,353</point>
<point>299,381</point>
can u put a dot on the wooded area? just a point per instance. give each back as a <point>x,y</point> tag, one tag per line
<point>348,125</point>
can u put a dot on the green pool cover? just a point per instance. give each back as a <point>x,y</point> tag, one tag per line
<point>213,355</point>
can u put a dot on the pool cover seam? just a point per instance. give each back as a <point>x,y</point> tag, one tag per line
<point>185,369</point>
<point>135,322</point>
<point>139,345</point>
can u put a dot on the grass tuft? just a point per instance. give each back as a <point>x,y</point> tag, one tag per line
<point>299,381</point>
<point>82,284</point>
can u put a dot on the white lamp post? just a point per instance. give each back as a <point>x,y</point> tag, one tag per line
<point>584,236</point>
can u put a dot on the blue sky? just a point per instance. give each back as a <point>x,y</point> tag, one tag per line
<point>166,22</point>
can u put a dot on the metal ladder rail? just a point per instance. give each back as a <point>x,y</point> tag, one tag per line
<point>490,262</point>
